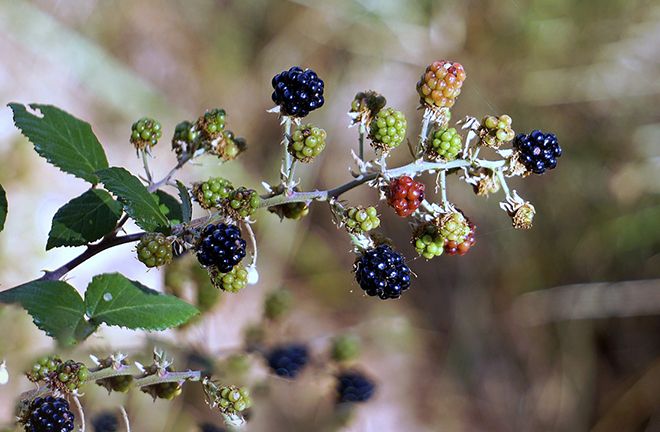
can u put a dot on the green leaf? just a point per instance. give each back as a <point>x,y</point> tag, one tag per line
<point>170,206</point>
<point>84,219</point>
<point>115,300</point>
<point>55,307</point>
<point>186,203</point>
<point>3,208</point>
<point>63,140</point>
<point>138,203</point>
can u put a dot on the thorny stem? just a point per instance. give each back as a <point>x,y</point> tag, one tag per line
<point>288,196</point>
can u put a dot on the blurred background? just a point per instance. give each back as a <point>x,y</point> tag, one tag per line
<point>552,329</point>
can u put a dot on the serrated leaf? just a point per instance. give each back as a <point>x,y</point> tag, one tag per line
<point>84,219</point>
<point>62,139</point>
<point>3,208</point>
<point>55,306</point>
<point>170,206</point>
<point>138,203</point>
<point>115,300</point>
<point>186,203</point>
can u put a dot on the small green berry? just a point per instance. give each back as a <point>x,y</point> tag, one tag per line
<point>145,133</point>
<point>212,192</point>
<point>306,142</point>
<point>388,129</point>
<point>154,250</point>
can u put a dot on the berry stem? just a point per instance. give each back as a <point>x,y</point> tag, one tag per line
<point>505,187</point>
<point>124,416</point>
<point>443,189</point>
<point>167,378</point>
<point>253,242</point>
<point>153,187</point>
<point>423,135</point>
<point>81,413</point>
<point>145,163</point>
<point>286,157</point>
<point>361,134</point>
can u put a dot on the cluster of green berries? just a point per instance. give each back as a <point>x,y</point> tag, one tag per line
<point>440,84</point>
<point>277,304</point>
<point>453,234</point>
<point>345,347</point>
<point>185,139</point>
<point>388,129</point>
<point>365,105</point>
<point>212,192</point>
<point>232,399</point>
<point>233,282</point>
<point>154,250</point>
<point>454,227</point>
<point>212,123</point>
<point>428,241</point>
<point>359,219</point>
<point>229,147</point>
<point>145,133</point>
<point>243,202</point>
<point>445,144</point>
<point>306,142</point>
<point>495,131</point>
<point>63,376</point>
<point>43,368</point>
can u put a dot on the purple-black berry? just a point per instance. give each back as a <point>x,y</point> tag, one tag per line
<point>537,151</point>
<point>49,414</point>
<point>382,272</point>
<point>221,246</point>
<point>297,91</point>
<point>353,386</point>
<point>288,360</point>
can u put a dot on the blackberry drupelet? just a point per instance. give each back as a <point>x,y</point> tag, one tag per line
<point>221,247</point>
<point>288,360</point>
<point>382,272</point>
<point>352,386</point>
<point>49,414</point>
<point>537,151</point>
<point>297,91</point>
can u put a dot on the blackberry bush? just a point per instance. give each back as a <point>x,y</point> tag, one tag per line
<point>297,92</point>
<point>382,272</point>
<point>221,247</point>
<point>537,151</point>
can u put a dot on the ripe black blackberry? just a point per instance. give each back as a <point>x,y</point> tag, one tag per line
<point>105,422</point>
<point>297,91</point>
<point>353,386</point>
<point>288,360</point>
<point>49,414</point>
<point>537,151</point>
<point>382,272</point>
<point>221,247</point>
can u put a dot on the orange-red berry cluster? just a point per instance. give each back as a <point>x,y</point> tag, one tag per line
<point>453,248</point>
<point>441,83</point>
<point>405,195</point>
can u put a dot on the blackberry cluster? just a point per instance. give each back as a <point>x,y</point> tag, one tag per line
<point>455,227</point>
<point>365,105</point>
<point>388,129</point>
<point>537,151</point>
<point>211,192</point>
<point>49,414</point>
<point>428,242</point>
<point>306,142</point>
<point>154,250</point>
<point>232,399</point>
<point>212,123</point>
<point>445,144</point>
<point>360,220</point>
<point>44,368</point>
<point>233,282</point>
<point>221,246</point>
<point>495,131</point>
<point>297,91</point>
<point>243,202</point>
<point>185,139</point>
<point>288,360</point>
<point>229,147</point>
<point>352,386</point>
<point>145,133</point>
<point>456,248</point>
<point>105,422</point>
<point>69,376</point>
<point>382,272</point>
<point>405,195</point>
<point>441,83</point>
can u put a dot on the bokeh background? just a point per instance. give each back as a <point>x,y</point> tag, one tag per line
<point>553,329</point>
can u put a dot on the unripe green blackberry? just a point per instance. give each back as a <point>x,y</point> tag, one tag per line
<point>345,347</point>
<point>388,129</point>
<point>154,250</point>
<point>306,142</point>
<point>454,227</point>
<point>243,202</point>
<point>167,390</point>
<point>120,383</point>
<point>43,368</point>
<point>232,399</point>
<point>233,282</point>
<point>428,241</point>
<point>229,147</point>
<point>212,192</point>
<point>145,133</point>
<point>277,304</point>
<point>211,124</point>
<point>69,376</point>
<point>360,220</point>
<point>444,144</point>
<point>366,105</point>
<point>185,139</point>
<point>495,131</point>
<point>293,210</point>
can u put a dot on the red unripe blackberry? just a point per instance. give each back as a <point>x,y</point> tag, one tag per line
<point>441,83</point>
<point>405,195</point>
<point>454,248</point>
